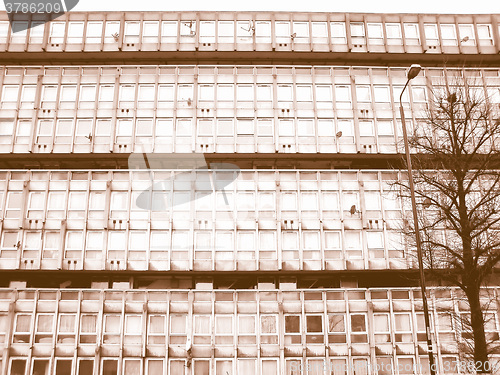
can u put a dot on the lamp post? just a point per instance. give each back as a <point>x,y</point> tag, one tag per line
<point>412,73</point>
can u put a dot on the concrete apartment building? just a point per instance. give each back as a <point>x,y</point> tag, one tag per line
<point>286,257</point>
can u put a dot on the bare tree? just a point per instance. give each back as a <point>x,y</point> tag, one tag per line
<point>455,154</point>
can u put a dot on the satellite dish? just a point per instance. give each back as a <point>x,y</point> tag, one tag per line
<point>353,209</point>
<point>339,134</point>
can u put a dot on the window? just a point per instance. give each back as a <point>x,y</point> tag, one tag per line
<point>319,31</point>
<point>94,245</point>
<point>10,94</point>
<point>301,32</point>
<point>485,35</point>
<point>223,329</point>
<point>44,328</point>
<point>363,94</point>
<point>75,32</point>
<point>109,367</point>
<point>381,328</point>
<point>402,327</point>
<point>202,329</point>
<point>40,366</point>
<point>323,93</point>
<point>206,93</point>
<point>245,93</point>
<point>133,329</point>
<point>94,32</point>
<point>63,366</point>
<point>285,93</point>
<point>418,94</point>
<point>385,128</point>
<point>381,94</point>
<point>66,328</point>
<point>244,31</point>
<point>127,93</point>
<point>185,93</point>
<point>336,329</point>
<point>156,330</point>
<point>431,34</point>
<point>411,34</point>
<point>112,325</point>
<point>466,35</point>
<point>282,30</point>
<point>13,206</point>
<point>165,93</point>
<point>67,96</point>
<point>314,327</point>
<point>286,128</point>
<point>207,32</point>
<point>304,93</point>
<point>326,128</point>
<point>117,244</point>
<point>178,329</point>
<point>188,28</point>
<point>146,93</point>
<point>265,128</point>
<point>306,128</point>
<point>87,96</point>
<point>155,366</point>
<point>338,32</point>
<point>150,30</point>
<point>226,31</point>
<point>51,245</point>
<point>31,244</point>
<point>19,31</point>
<point>118,204</point>
<point>225,93</point>
<point>112,32</point>
<point>448,35</point>
<point>76,204</point>
<point>4,30</point>
<point>74,244</point>
<point>106,93</point>
<point>132,28</point>
<point>138,243</point>
<point>57,31</point>
<point>292,329</point>
<point>36,203</point>
<point>225,128</point>
<point>264,93</point>
<point>168,31</point>
<point>406,365</point>
<point>358,328</point>
<point>88,328</point>
<point>358,32</point>
<point>394,35</point>
<point>132,366</point>
<point>17,366</point>
<point>268,329</point>
<point>375,33</point>
<point>246,329</point>
<point>366,129</point>
<point>28,96</point>
<point>343,97</point>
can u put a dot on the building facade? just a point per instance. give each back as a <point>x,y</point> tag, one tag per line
<point>213,193</point>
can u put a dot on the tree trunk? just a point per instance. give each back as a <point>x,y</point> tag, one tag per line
<point>477,325</point>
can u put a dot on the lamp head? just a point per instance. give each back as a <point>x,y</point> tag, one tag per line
<point>414,70</point>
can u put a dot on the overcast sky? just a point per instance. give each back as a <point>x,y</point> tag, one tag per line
<point>368,6</point>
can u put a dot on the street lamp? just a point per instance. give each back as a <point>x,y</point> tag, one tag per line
<point>412,73</point>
